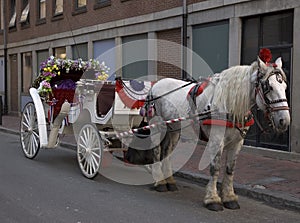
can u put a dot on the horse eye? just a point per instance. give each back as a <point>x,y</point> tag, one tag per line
<point>271,88</point>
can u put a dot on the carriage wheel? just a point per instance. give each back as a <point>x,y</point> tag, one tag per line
<point>89,150</point>
<point>30,139</point>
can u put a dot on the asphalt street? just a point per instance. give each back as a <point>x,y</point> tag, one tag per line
<point>50,188</point>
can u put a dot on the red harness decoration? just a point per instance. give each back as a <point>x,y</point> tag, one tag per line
<point>226,123</point>
<point>197,90</point>
<point>200,89</point>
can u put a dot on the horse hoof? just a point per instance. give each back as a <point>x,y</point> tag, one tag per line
<point>233,205</point>
<point>172,187</point>
<point>161,188</point>
<point>214,207</point>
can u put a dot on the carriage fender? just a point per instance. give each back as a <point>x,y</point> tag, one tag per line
<point>42,125</point>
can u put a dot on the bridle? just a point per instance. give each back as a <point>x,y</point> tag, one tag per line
<point>263,88</point>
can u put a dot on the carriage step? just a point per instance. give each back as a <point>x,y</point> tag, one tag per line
<point>115,149</point>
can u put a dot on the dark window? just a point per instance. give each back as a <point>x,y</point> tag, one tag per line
<point>80,3</point>
<point>41,9</point>
<point>134,56</point>
<point>60,52</point>
<point>26,71</point>
<point>210,42</point>
<point>79,7</point>
<point>24,20</point>
<point>13,14</point>
<point>273,31</point>
<point>42,55</point>
<point>101,3</point>
<point>80,51</point>
<point>58,7</point>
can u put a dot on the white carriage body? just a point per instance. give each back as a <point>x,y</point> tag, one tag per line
<point>119,117</point>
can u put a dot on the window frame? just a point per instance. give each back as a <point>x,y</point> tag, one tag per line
<point>13,15</point>
<point>57,53</point>
<point>140,67</point>
<point>216,65</point>
<point>79,9</point>
<point>25,15</point>
<point>40,19</point>
<point>77,49</point>
<point>254,138</point>
<point>101,3</point>
<point>55,4</point>
<point>23,90</point>
<point>1,15</point>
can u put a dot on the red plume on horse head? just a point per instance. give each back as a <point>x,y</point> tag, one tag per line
<point>265,55</point>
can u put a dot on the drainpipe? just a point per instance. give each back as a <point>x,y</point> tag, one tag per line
<point>5,56</point>
<point>184,40</point>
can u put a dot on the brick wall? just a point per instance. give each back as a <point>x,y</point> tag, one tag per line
<point>169,52</point>
<point>117,10</point>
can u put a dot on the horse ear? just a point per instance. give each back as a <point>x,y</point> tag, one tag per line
<point>261,64</point>
<point>278,62</point>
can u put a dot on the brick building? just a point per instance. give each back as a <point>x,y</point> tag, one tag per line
<point>222,32</point>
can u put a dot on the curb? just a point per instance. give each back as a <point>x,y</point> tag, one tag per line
<point>275,199</point>
<point>9,131</point>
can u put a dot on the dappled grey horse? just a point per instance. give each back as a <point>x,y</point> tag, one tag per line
<point>229,96</point>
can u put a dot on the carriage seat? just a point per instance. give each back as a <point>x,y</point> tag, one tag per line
<point>105,99</point>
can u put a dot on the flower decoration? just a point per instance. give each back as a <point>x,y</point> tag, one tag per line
<point>45,88</point>
<point>102,74</point>
<point>54,66</point>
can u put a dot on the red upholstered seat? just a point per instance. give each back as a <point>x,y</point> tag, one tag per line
<point>61,95</point>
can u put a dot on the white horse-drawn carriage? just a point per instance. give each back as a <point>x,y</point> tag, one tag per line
<point>98,111</point>
<point>80,101</point>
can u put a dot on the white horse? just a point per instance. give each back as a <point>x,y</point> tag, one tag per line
<point>231,93</point>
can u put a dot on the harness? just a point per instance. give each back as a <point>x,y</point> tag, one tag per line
<point>219,119</point>
<point>262,89</point>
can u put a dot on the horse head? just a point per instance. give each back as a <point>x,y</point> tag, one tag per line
<point>270,93</point>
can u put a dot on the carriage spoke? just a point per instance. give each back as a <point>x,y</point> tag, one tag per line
<point>25,135</point>
<point>95,161</point>
<point>26,117</point>
<point>96,154</point>
<point>36,134</point>
<point>26,125</point>
<point>91,167</point>
<point>83,138</point>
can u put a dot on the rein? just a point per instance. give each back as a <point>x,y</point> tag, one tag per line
<point>167,93</point>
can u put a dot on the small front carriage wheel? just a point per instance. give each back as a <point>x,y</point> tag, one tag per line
<point>30,138</point>
<point>89,150</point>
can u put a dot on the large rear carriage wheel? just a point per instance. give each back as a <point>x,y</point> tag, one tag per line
<point>30,139</point>
<point>89,150</point>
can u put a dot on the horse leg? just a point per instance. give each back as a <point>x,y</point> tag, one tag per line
<point>170,142</point>
<point>229,198</point>
<point>212,201</point>
<point>160,184</point>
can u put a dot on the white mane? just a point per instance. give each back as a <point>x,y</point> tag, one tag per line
<point>232,92</point>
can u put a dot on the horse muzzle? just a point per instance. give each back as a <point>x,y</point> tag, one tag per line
<point>281,120</point>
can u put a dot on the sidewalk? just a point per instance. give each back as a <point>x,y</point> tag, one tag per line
<point>272,180</point>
